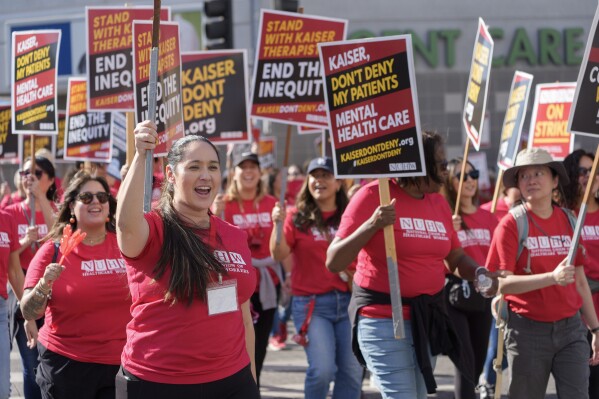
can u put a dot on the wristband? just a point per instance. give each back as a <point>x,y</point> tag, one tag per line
<point>594,330</point>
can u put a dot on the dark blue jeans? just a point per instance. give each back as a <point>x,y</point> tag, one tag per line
<point>29,360</point>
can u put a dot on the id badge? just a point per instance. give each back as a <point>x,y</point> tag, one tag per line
<point>222,297</point>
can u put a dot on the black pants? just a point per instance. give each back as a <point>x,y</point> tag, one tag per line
<point>594,375</point>
<point>262,330</point>
<point>61,377</point>
<point>473,330</point>
<point>240,385</point>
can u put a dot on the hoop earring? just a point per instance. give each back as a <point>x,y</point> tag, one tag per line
<point>72,219</point>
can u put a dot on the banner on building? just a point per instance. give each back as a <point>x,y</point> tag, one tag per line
<point>371,96</point>
<point>514,119</point>
<point>478,85</point>
<point>9,143</point>
<point>169,104</point>
<point>215,95</point>
<point>34,74</point>
<point>109,58</point>
<point>87,136</point>
<point>287,82</point>
<point>549,120</point>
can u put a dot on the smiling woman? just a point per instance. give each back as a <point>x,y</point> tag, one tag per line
<point>190,279</point>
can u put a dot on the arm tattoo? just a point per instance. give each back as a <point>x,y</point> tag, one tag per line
<point>33,304</point>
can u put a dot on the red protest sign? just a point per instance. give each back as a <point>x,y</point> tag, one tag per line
<point>109,59</point>
<point>287,84</point>
<point>169,112</point>
<point>87,136</point>
<point>514,119</point>
<point>215,95</point>
<point>33,75</point>
<point>549,120</point>
<point>478,85</point>
<point>370,91</point>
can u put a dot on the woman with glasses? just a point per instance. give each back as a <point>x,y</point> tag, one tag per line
<point>469,311</point>
<point>40,187</point>
<point>85,301</point>
<point>425,242</point>
<point>578,165</point>
<point>545,295</point>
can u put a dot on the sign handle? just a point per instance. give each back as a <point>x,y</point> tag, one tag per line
<point>283,182</point>
<point>583,210</point>
<point>32,222</point>
<point>394,289</point>
<point>130,137</point>
<point>149,167</point>
<point>464,160</point>
<point>498,185</point>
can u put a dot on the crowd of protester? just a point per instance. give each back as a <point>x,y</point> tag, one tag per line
<point>184,301</point>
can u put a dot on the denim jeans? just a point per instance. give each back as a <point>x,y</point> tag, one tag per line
<point>329,353</point>
<point>4,351</point>
<point>489,375</point>
<point>29,360</point>
<point>392,361</point>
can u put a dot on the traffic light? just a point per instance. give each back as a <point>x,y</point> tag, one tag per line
<point>287,5</point>
<point>219,27</point>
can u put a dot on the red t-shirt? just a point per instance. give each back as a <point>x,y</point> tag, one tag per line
<point>477,239</point>
<point>293,189</point>
<point>22,220</point>
<point>590,241</point>
<point>86,317</point>
<point>501,209</point>
<point>9,242</point>
<point>424,236</point>
<point>179,344</point>
<point>13,198</point>
<point>310,275</point>
<point>548,245</point>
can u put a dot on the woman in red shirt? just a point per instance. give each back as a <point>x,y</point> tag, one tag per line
<point>545,295</point>
<point>190,278</point>
<point>85,301</point>
<point>308,230</point>
<point>469,311</point>
<point>247,206</point>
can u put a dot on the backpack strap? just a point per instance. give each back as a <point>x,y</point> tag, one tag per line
<point>519,214</point>
<point>55,255</point>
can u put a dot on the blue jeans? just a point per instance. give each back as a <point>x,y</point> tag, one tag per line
<point>489,375</point>
<point>29,360</point>
<point>392,361</point>
<point>4,351</point>
<point>329,353</point>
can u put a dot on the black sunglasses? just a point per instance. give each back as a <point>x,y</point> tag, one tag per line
<point>474,174</point>
<point>87,197</point>
<point>584,171</point>
<point>38,173</point>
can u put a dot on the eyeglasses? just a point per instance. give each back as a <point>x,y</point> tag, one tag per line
<point>584,171</point>
<point>87,197</point>
<point>442,165</point>
<point>38,173</point>
<point>474,174</point>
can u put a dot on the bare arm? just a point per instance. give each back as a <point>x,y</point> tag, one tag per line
<point>563,274</point>
<point>588,311</point>
<point>344,251</point>
<point>465,265</point>
<point>250,345</point>
<point>16,278</point>
<point>282,250</point>
<point>132,228</point>
<point>35,300</point>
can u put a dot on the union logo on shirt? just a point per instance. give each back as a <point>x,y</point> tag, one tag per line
<point>318,235</point>
<point>590,233</point>
<point>4,240</point>
<point>472,237</point>
<point>548,246</point>
<point>102,266</point>
<point>232,261</point>
<point>42,230</point>
<point>423,228</point>
<point>249,220</point>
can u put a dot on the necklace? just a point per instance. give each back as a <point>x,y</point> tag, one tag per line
<point>94,240</point>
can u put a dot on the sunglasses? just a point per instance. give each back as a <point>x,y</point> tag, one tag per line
<point>38,173</point>
<point>474,174</point>
<point>87,197</point>
<point>584,171</point>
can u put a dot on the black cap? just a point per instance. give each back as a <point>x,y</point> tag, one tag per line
<point>248,156</point>
<point>325,163</point>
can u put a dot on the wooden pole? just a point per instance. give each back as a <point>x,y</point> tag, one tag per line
<point>583,210</point>
<point>498,185</point>
<point>149,167</point>
<point>498,361</point>
<point>130,137</point>
<point>32,222</point>
<point>393,273</point>
<point>464,160</point>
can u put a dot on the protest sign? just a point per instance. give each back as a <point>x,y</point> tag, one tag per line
<point>87,136</point>
<point>267,151</point>
<point>549,119</point>
<point>33,77</point>
<point>514,119</point>
<point>9,143</point>
<point>370,91</point>
<point>478,85</point>
<point>119,144</point>
<point>215,95</point>
<point>287,83</point>
<point>169,112</point>
<point>39,142</point>
<point>109,58</point>
<point>584,115</point>
<point>59,155</point>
